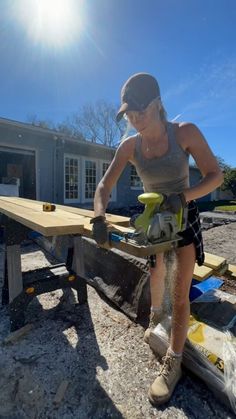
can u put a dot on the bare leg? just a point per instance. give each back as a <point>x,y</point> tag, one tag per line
<point>186,257</point>
<point>157,288</point>
<point>170,373</point>
<point>157,281</point>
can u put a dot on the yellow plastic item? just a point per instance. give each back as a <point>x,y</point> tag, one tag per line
<point>208,341</point>
<point>47,207</point>
<point>151,200</point>
<point>30,290</point>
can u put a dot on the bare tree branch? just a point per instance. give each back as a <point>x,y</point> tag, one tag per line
<point>97,123</point>
<point>94,122</point>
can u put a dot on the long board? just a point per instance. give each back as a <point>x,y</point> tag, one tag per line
<point>47,223</point>
<point>64,222</point>
<point>29,203</point>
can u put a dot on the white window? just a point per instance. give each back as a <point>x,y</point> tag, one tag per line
<point>135,181</point>
<point>93,171</point>
<point>81,177</point>
<point>90,179</point>
<point>71,179</point>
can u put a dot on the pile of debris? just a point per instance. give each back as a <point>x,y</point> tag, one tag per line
<point>216,219</point>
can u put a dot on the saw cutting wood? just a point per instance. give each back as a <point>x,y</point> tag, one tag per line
<point>154,231</point>
<point>156,225</point>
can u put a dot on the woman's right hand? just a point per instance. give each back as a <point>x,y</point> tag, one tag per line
<point>100,229</point>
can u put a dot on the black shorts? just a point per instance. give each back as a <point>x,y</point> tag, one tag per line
<point>193,233</point>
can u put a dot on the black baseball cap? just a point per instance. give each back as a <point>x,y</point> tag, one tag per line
<point>137,93</point>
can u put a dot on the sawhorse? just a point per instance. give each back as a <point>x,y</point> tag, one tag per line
<point>19,288</point>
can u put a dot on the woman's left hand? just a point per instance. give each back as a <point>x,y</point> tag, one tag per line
<point>174,202</point>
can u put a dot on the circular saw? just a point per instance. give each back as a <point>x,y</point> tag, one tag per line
<point>154,225</point>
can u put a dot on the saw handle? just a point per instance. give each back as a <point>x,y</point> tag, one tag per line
<point>151,200</point>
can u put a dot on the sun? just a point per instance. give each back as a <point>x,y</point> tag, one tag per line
<point>54,23</point>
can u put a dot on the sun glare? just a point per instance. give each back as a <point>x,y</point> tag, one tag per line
<point>53,23</point>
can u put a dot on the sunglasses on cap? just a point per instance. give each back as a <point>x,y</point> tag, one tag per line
<point>129,115</point>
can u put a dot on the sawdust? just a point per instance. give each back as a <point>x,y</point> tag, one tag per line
<point>99,351</point>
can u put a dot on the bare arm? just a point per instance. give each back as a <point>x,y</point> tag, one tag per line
<point>194,142</point>
<point>123,155</point>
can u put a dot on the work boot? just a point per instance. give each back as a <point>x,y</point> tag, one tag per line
<point>162,388</point>
<point>155,319</point>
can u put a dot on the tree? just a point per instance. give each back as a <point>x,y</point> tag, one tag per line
<point>230,180</point>
<point>69,129</point>
<point>97,123</point>
<point>229,176</point>
<point>94,122</point>
<point>223,165</point>
<point>34,120</point>
<point>65,127</point>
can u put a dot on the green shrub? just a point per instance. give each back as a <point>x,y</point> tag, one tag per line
<point>223,205</point>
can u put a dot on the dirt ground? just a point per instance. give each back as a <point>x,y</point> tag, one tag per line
<point>99,351</point>
<point>221,241</point>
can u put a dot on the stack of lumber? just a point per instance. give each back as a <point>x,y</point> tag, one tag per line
<point>213,265</point>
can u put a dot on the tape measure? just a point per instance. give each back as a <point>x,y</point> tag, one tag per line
<point>49,207</point>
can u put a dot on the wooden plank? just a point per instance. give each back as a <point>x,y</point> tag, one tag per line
<point>202,272</point>
<point>231,271</point>
<point>14,274</point>
<point>60,222</point>
<point>30,203</point>
<point>131,247</point>
<point>114,219</point>
<point>47,223</point>
<point>78,268</point>
<point>217,263</point>
<point>60,392</point>
<point>14,336</point>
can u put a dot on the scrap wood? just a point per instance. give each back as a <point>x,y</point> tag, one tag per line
<point>27,361</point>
<point>201,272</point>
<point>14,336</point>
<point>231,270</point>
<point>217,263</point>
<point>60,392</point>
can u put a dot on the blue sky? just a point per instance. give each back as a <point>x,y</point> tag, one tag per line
<point>189,45</point>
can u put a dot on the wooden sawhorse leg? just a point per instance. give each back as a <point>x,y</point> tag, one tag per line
<point>78,268</point>
<point>15,233</point>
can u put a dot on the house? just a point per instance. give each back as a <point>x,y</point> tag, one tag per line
<point>49,166</point>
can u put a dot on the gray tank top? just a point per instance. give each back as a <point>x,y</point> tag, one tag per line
<point>165,174</point>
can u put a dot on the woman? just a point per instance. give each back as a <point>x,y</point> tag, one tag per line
<point>160,152</point>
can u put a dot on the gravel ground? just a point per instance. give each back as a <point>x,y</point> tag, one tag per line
<point>221,241</point>
<point>99,351</point>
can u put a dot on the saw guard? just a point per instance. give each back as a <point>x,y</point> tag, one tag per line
<point>158,226</point>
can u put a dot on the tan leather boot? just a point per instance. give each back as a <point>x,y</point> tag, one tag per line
<point>155,319</point>
<point>162,388</point>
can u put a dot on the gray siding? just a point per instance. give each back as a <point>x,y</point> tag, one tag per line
<point>50,149</point>
<point>125,195</point>
<point>42,145</point>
